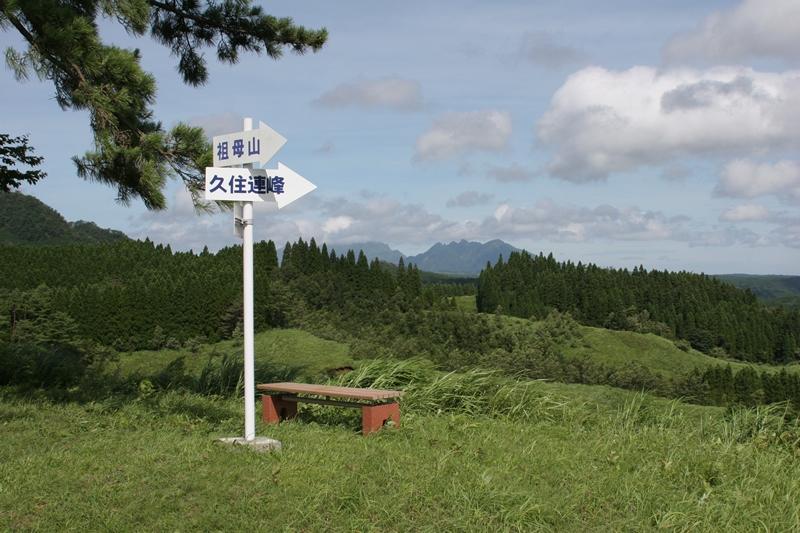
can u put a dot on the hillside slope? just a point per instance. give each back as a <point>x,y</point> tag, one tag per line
<point>616,348</point>
<point>773,289</point>
<point>27,220</point>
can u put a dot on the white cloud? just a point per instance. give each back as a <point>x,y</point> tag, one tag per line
<point>745,213</point>
<point>541,48</point>
<point>379,218</point>
<point>513,172</point>
<point>389,93</point>
<point>548,220</point>
<point>752,29</point>
<point>469,199</point>
<point>603,121</point>
<point>182,227</point>
<point>337,224</point>
<point>726,236</point>
<point>456,133</point>
<point>788,234</point>
<point>219,124</point>
<point>743,178</point>
<point>372,217</point>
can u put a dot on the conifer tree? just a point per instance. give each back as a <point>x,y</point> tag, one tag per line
<point>132,151</point>
<point>15,152</point>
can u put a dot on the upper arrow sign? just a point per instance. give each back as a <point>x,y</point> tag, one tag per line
<point>254,146</point>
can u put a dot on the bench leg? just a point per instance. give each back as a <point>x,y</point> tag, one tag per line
<point>274,409</point>
<point>373,417</point>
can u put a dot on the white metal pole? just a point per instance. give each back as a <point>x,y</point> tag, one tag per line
<point>249,348</point>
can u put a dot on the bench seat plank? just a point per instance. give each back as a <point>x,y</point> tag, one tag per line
<point>330,391</point>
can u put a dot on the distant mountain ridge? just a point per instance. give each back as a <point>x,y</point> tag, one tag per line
<point>458,258</point>
<point>773,289</point>
<point>372,249</point>
<point>462,257</point>
<point>27,220</point>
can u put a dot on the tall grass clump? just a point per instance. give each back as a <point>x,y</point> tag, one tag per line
<point>764,425</point>
<point>473,392</point>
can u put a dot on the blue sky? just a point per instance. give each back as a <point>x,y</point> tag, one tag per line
<point>662,133</point>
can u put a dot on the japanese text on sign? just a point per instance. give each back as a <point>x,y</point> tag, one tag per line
<point>237,148</point>
<point>245,147</point>
<point>238,184</point>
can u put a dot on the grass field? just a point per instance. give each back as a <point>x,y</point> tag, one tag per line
<point>576,458</point>
<point>475,451</point>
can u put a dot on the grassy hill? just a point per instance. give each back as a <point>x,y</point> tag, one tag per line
<point>656,353</point>
<point>474,452</point>
<point>617,348</point>
<point>26,220</point>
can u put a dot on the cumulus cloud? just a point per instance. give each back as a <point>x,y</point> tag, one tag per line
<point>456,133</point>
<point>788,234</point>
<point>752,29</point>
<point>675,172</point>
<point>373,217</point>
<point>746,213</point>
<point>549,220</point>
<point>182,227</point>
<point>726,236</point>
<point>603,121</point>
<point>218,124</point>
<point>389,93</point>
<point>513,172</point>
<point>469,199</point>
<point>337,224</point>
<point>542,49</point>
<point>379,218</point>
<point>744,178</point>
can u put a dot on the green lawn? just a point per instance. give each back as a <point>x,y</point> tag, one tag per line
<point>627,462</point>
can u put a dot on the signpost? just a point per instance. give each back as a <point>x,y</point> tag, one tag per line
<point>233,178</point>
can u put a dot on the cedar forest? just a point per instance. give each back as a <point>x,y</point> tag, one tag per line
<point>92,300</point>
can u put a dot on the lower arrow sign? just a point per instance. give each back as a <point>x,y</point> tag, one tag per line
<point>281,186</point>
<point>296,186</point>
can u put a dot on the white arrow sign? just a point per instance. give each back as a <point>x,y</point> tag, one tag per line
<point>241,148</point>
<point>282,185</point>
<point>295,185</point>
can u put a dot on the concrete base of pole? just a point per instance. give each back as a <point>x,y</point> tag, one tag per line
<point>258,444</point>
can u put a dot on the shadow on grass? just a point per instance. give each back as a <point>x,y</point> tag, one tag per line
<point>99,383</point>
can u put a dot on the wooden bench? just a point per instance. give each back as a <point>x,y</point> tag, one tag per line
<point>377,406</point>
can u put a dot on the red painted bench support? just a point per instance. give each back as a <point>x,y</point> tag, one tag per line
<point>280,403</point>
<point>275,410</point>
<point>374,417</point>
